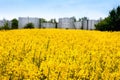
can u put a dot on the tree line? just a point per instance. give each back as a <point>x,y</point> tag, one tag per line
<point>110,23</point>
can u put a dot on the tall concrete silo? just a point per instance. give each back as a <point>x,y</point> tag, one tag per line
<point>35,21</point>
<point>85,24</point>
<point>91,24</point>
<point>48,25</point>
<point>3,22</point>
<point>25,20</point>
<point>78,25</point>
<point>67,23</point>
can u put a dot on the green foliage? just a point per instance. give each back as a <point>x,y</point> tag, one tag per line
<point>115,18</point>
<point>53,21</point>
<point>5,27</point>
<point>29,25</point>
<point>14,24</point>
<point>41,20</point>
<point>83,18</point>
<point>104,25</point>
<point>112,22</point>
<point>74,18</point>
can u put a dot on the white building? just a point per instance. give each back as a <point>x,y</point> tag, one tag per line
<point>48,25</point>
<point>78,25</point>
<point>25,20</point>
<point>91,24</point>
<point>85,24</point>
<point>4,21</point>
<point>66,23</point>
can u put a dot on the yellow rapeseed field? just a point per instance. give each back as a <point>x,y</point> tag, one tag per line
<point>59,54</point>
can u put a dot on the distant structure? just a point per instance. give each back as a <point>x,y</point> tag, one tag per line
<point>91,24</point>
<point>78,25</point>
<point>67,23</point>
<point>85,24</point>
<point>25,20</point>
<point>48,25</point>
<point>4,21</point>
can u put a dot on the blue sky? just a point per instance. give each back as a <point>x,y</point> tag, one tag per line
<point>93,9</point>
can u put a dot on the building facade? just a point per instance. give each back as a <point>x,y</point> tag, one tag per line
<point>67,23</point>
<point>78,25</point>
<point>48,25</point>
<point>25,20</point>
<point>4,21</point>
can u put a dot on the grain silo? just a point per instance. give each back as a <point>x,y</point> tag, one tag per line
<point>67,23</point>
<point>25,20</point>
<point>48,25</point>
<point>91,24</point>
<point>78,25</point>
<point>3,22</point>
<point>85,24</point>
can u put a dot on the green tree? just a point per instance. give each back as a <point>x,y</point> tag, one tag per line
<point>80,19</point>
<point>112,22</point>
<point>115,18</point>
<point>74,18</point>
<point>29,25</point>
<point>14,24</point>
<point>41,20</point>
<point>84,18</point>
<point>5,27</point>
<point>54,20</point>
<point>51,21</point>
<point>103,25</point>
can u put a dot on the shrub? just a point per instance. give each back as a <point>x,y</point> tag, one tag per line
<point>14,24</point>
<point>29,25</point>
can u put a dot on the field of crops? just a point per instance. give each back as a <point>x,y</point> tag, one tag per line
<point>58,54</point>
